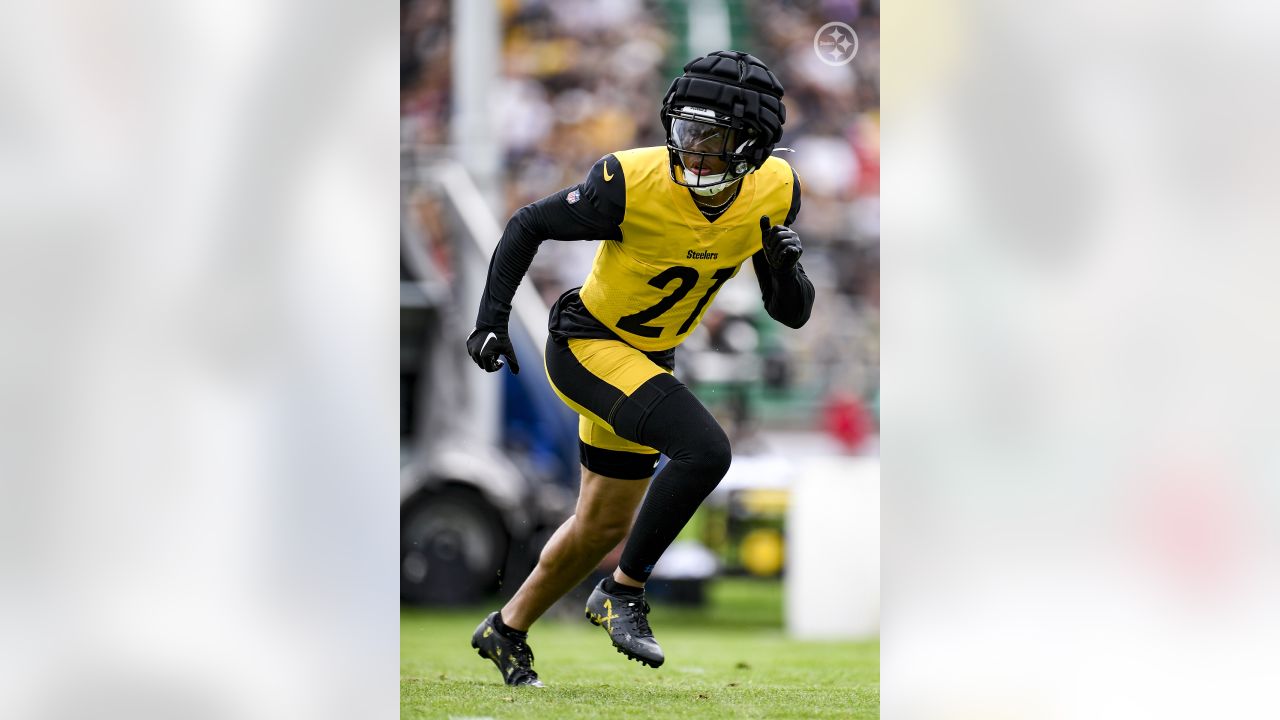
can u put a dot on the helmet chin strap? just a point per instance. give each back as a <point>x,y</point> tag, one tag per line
<point>713,189</point>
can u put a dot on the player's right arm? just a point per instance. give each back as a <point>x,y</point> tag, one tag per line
<point>590,210</point>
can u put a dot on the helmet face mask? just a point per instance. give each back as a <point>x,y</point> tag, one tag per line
<point>705,152</point>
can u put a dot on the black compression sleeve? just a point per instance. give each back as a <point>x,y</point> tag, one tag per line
<point>591,210</point>
<point>788,297</point>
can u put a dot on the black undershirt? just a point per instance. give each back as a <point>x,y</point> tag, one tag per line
<point>713,214</point>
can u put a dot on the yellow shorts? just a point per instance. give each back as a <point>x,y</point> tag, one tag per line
<point>611,385</point>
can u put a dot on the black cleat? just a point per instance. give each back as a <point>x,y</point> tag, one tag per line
<point>513,657</point>
<point>626,620</point>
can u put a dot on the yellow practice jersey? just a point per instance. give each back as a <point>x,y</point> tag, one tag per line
<point>653,285</point>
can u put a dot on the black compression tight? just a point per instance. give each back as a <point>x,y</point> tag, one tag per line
<point>698,455</point>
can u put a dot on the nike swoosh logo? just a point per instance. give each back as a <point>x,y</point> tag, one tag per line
<point>485,344</point>
<point>607,176</point>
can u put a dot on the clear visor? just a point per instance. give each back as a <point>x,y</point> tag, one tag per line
<point>699,137</point>
<point>702,148</point>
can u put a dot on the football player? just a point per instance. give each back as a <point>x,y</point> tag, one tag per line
<point>676,223</point>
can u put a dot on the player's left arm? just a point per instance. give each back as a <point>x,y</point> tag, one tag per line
<point>786,290</point>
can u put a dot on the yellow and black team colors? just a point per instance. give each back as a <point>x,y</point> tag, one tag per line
<point>652,285</point>
<point>649,288</point>
<point>675,223</point>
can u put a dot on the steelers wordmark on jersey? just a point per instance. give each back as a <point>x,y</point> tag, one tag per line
<point>653,285</point>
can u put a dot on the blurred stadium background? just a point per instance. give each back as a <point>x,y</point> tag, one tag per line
<point>502,104</point>
<point>1083,509</point>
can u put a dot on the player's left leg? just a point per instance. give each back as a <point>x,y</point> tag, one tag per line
<point>615,474</point>
<point>638,402</point>
<point>698,453</point>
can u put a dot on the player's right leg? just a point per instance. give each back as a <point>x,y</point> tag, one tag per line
<point>605,509</point>
<point>615,475</point>
<point>601,520</point>
<point>609,381</point>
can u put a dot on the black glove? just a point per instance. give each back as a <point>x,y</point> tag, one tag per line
<point>485,347</point>
<point>781,245</point>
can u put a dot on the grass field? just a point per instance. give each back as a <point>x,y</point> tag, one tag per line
<point>728,660</point>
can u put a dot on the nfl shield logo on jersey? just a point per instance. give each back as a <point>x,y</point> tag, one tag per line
<point>572,197</point>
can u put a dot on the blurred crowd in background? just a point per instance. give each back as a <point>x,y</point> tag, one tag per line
<point>582,79</point>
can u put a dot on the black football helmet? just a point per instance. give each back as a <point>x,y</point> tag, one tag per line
<point>723,117</point>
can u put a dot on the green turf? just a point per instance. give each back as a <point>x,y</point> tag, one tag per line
<point>729,660</point>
